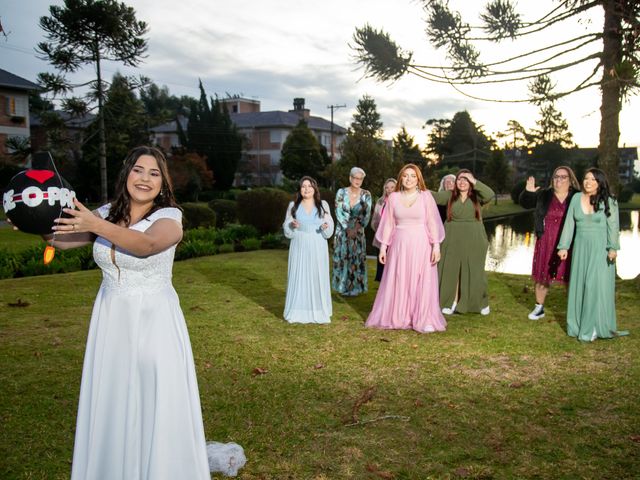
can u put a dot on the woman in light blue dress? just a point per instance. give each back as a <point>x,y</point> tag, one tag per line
<point>308,224</point>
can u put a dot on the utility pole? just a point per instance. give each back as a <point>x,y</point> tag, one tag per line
<point>333,107</point>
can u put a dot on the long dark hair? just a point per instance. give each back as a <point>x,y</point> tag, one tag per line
<point>471,195</point>
<point>316,197</point>
<point>120,211</point>
<point>603,194</point>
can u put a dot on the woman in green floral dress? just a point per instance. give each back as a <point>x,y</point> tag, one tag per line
<point>592,216</point>
<point>353,211</point>
<point>463,281</point>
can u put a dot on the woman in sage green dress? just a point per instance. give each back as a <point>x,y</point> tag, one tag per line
<point>463,281</point>
<point>593,217</point>
<point>353,212</point>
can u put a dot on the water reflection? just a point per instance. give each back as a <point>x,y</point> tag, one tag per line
<point>511,243</point>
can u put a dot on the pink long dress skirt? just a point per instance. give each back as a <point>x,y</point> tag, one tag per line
<point>408,295</point>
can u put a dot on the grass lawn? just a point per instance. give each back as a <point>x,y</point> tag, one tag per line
<point>492,397</point>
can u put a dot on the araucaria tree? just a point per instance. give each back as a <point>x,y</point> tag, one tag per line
<point>89,32</point>
<point>612,51</point>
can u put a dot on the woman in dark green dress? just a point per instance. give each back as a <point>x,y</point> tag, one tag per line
<point>463,281</point>
<point>592,226</point>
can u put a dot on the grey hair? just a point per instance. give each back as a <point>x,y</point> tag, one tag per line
<point>356,170</point>
<point>451,175</point>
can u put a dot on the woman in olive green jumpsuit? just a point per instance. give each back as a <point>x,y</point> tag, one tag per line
<point>463,280</point>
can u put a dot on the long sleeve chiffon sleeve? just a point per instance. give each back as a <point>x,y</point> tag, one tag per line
<point>435,229</point>
<point>387,225</point>
<point>569,224</point>
<point>367,212</point>
<point>613,226</point>
<point>342,217</point>
<point>327,232</point>
<point>441,198</point>
<point>286,226</point>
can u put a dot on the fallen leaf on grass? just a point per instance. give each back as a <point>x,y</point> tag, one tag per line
<point>344,317</point>
<point>634,438</point>
<point>516,385</point>
<point>384,339</point>
<point>318,366</point>
<point>207,365</point>
<point>197,308</point>
<point>418,403</point>
<point>373,468</point>
<point>259,371</point>
<point>461,472</point>
<point>19,303</point>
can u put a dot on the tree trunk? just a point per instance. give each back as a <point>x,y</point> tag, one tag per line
<point>102,141</point>
<point>611,92</point>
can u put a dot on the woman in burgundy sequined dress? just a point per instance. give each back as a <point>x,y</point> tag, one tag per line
<point>550,210</point>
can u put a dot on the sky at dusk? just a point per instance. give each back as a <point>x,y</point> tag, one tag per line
<point>275,50</point>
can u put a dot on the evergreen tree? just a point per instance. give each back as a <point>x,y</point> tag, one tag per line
<point>363,148</point>
<point>302,154</point>
<point>89,32</point>
<point>611,49</point>
<point>435,139</point>
<point>212,134</point>
<point>552,126</point>
<point>465,144</point>
<point>497,173</point>
<point>406,151</point>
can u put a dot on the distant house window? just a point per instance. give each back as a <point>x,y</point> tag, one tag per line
<point>275,136</point>
<point>275,158</point>
<point>17,106</point>
<point>234,109</point>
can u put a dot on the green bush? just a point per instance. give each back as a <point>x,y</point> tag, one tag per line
<point>226,248</point>
<point>226,211</point>
<point>625,194</point>
<point>517,190</point>
<point>273,240</point>
<point>195,248</point>
<point>264,208</point>
<point>235,233</point>
<point>249,244</point>
<point>197,215</point>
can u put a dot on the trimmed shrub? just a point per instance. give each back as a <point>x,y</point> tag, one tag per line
<point>196,215</point>
<point>517,190</point>
<point>264,208</point>
<point>235,233</point>
<point>273,240</point>
<point>249,244</point>
<point>226,211</point>
<point>195,248</point>
<point>226,248</point>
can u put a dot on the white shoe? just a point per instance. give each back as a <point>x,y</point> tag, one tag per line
<point>537,313</point>
<point>485,311</point>
<point>450,311</point>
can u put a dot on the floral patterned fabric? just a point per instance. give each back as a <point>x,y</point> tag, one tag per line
<point>349,275</point>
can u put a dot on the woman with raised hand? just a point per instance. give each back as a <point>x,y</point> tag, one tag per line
<point>353,212</point>
<point>139,413</point>
<point>591,229</point>
<point>550,210</point>
<point>463,280</point>
<point>308,224</point>
<point>410,233</point>
<point>387,189</point>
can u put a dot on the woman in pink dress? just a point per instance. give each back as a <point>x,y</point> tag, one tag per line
<point>409,233</point>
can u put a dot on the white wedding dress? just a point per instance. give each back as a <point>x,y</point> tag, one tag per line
<point>139,415</point>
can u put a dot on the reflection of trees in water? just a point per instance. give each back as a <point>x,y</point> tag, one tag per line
<point>625,220</point>
<point>511,242</point>
<point>520,224</point>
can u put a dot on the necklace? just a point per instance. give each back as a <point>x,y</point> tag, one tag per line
<point>410,195</point>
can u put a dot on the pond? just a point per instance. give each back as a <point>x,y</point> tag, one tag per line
<point>511,242</point>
